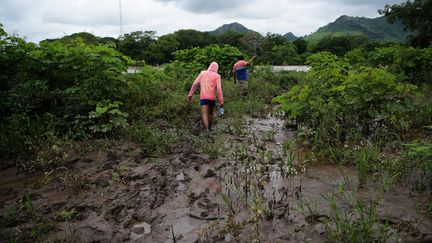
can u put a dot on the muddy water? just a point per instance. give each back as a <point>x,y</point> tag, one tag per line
<point>119,195</point>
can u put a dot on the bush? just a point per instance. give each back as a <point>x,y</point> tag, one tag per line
<point>152,140</point>
<point>411,64</point>
<point>225,56</point>
<point>336,99</point>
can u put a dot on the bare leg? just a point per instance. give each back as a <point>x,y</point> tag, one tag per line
<point>210,116</point>
<point>205,116</point>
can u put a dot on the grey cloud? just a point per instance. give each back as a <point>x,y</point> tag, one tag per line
<point>377,3</point>
<point>49,18</point>
<point>199,6</point>
<point>17,10</point>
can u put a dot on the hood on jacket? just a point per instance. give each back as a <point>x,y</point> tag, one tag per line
<point>213,67</point>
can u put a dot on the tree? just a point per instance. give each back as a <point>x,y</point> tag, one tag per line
<point>341,44</point>
<point>109,41</point>
<point>251,43</point>
<point>161,51</point>
<point>232,38</point>
<point>284,54</point>
<point>417,18</point>
<point>136,44</point>
<point>301,45</point>
<point>272,40</point>
<point>192,38</point>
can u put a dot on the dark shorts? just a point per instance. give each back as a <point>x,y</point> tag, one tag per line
<point>208,102</point>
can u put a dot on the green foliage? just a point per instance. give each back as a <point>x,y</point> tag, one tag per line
<point>264,85</point>
<point>376,29</point>
<point>284,54</point>
<point>301,45</point>
<point>146,101</point>
<point>282,79</point>
<point>136,44</point>
<point>225,56</point>
<point>365,158</point>
<point>336,99</point>
<point>339,45</point>
<point>26,97</point>
<point>152,140</point>
<point>21,135</point>
<point>106,117</point>
<point>192,38</point>
<point>421,152</point>
<point>411,64</point>
<point>356,57</point>
<point>231,38</point>
<point>161,50</point>
<point>415,16</point>
<point>53,86</point>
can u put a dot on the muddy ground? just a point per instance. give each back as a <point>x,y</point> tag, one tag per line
<point>237,186</point>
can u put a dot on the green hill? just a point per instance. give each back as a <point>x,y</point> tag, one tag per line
<point>290,36</point>
<point>236,27</point>
<point>377,29</point>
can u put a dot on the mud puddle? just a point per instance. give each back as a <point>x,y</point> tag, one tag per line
<point>256,186</point>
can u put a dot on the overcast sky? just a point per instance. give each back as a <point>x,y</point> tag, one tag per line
<point>40,19</point>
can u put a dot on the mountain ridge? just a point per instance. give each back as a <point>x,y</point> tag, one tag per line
<point>377,29</point>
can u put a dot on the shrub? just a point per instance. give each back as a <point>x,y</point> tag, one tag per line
<point>336,98</point>
<point>152,140</point>
<point>225,56</point>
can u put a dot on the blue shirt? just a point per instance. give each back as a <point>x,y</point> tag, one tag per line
<point>242,73</point>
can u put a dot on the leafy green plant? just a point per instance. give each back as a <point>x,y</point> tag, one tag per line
<point>335,99</point>
<point>225,56</point>
<point>107,116</point>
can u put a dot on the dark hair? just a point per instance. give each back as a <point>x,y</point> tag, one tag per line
<point>240,57</point>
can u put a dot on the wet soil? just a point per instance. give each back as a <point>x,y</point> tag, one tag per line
<point>237,187</point>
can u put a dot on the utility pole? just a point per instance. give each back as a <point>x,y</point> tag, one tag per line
<point>121,19</point>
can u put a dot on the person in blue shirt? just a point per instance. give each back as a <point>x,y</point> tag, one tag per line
<point>240,72</point>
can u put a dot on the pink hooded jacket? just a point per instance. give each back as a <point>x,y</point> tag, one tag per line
<point>210,82</point>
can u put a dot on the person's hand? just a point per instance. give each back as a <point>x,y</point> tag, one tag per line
<point>221,105</point>
<point>189,99</point>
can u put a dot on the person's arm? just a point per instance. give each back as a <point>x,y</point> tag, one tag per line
<point>219,91</point>
<point>194,87</point>
<point>251,60</point>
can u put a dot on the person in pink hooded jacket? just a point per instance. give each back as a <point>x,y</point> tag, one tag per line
<point>210,83</point>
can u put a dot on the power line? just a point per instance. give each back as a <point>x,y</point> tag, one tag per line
<point>121,19</point>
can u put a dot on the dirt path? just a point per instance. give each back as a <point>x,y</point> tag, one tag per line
<point>247,183</point>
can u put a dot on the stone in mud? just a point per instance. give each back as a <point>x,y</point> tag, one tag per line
<point>210,173</point>
<point>180,177</point>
